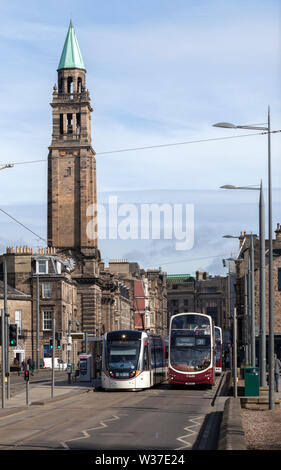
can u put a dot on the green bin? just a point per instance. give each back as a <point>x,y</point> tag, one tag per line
<point>252,381</point>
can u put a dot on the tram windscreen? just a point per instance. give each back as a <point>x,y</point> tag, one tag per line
<point>190,343</point>
<point>122,353</point>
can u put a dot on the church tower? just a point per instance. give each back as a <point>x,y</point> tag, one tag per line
<point>71,163</point>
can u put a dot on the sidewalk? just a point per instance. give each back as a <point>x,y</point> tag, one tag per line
<point>241,391</point>
<point>41,395</point>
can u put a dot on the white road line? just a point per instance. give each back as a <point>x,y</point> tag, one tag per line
<point>190,432</point>
<point>85,433</point>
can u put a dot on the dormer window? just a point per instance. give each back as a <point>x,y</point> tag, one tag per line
<point>58,266</point>
<point>42,266</point>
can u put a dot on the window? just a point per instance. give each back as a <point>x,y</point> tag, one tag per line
<point>58,264</point>
<point>69,123</point>
<point>70,85</point>
<point>279,279</point>
<point>61,124</point>
<point>46,290</point>
<point>42,266</point>
<point>79,85</point>
<point>185,302</point>
<point>47,319</point>
<point>18,320</point>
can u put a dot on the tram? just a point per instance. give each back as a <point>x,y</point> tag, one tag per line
<point>191,350</point>
<point>133,360</point>
<point>218,342</point>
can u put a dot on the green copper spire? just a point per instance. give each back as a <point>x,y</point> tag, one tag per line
<point>71,57</point>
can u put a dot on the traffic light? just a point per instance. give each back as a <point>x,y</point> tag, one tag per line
<point>26,375</point>
<point>13,334</point>
<point>51,343</point>
<point>58,339</point>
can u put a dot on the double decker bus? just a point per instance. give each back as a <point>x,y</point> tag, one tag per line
<point>218,342</point>
<point>133,360</point>
<point>191,350</point>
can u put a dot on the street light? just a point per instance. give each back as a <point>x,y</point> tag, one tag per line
<point>262,352</point>
<point>249,316</point>
<point>267,130</point>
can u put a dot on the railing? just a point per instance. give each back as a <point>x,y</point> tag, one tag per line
<point>75,97</point>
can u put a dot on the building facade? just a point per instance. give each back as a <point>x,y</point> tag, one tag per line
<point>243,292</point>
<point>200,293</point>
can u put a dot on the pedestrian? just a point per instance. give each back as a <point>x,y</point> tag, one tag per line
<point>277,367</point>
<point>98,365</point>
<point>227,361</point>
<point>30,362</point>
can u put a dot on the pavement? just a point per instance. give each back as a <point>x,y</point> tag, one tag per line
<point>41,394</point>
<point>232,436</point>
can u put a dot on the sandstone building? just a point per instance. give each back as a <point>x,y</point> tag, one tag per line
<point>67,280</point>
<point>200,293</point>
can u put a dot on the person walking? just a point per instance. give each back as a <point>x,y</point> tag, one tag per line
<point>23,365</point>
<point>277,367</point>
<point>30,362</point>
<point>98,365</point>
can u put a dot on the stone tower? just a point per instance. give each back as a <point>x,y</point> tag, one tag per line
<point>71,164</point>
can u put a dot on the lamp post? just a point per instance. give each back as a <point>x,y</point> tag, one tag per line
<point>267,130</point>
<point>37,320</point>
<point>247,316</point>
<point>262,348</point>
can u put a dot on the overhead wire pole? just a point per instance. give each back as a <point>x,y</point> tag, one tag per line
<point>37,320</point>
<point>246,313</point>
<point>268,131</point>
<point>262,355</point>
<point>53,356</point>
<point>250,310</point>
<point>253,323</point>
<point>3,339</point>
<point>270,277</point>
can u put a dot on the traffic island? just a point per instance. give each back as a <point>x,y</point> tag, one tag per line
<point>232,435</point>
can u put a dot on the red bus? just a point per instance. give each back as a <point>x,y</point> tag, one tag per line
<point>191,350</point>
<point>218,341</point>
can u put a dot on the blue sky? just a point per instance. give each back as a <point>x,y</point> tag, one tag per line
<point>158,72</point>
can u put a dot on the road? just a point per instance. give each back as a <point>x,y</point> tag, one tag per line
<point>161,418</point>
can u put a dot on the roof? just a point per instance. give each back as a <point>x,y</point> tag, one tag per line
<point>71,57</point>
<point>178,277</point>
<point>12,293</point>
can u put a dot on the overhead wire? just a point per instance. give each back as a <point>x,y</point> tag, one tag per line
<point>151,147</point>
<point>131,150</point>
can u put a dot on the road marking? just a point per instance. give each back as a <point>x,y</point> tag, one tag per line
<point>190,432</point>
<point>86,434</point>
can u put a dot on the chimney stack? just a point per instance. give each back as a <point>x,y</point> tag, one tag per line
<point>277,241</point>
